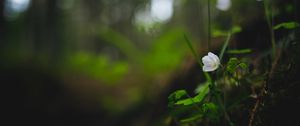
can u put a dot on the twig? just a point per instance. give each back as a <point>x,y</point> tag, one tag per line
<point>263,91</point>
<point>276,54</point>
<point>253,111</point>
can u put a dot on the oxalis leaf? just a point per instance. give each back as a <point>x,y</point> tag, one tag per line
<point>232,65</point>
<point>198,98</point>
<point>191,119</point>
<point>176,96</point>
<point>243,65</point>
<point>239,51</point>
<point>180,97</point>
<point>287,25</point>
<point>202,90</point>
<point>187,101</point>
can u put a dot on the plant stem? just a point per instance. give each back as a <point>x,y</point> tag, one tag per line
<point>225,45</point>
<point>209,26</point>
<point>208,78</point>
<point>219,100</point>
<point>224,110</point>
<point>270,21</point>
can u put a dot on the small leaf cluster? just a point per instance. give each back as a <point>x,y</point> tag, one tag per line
<point>206,104</point>
<point>188,109</point>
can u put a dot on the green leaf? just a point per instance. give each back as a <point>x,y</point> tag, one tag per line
<point>232,65</point>
<point>211,110</point>
<point>223,33</point>
<point>219,33</point>
<point>239,51</point>
<point>202,87</point>
<point>243,65</point>
<point>177,96</point>
<point>186,114</point>
<point>181,97</point>
<point>236,29</point>
<point>209,107</point>
<point>287,25</point>
<point>191,119</point>
<point>187,101</point>
<point>202,91</point>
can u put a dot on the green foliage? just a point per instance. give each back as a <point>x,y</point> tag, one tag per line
<point>202,87</point>
<point>197,99</point>
<point>192,118</point>
<point>187,101</point>
<point>158,60</point>
<point>219,33</point>
<point>180,109</point>
<point>286,25</point>
<point>181,97</point>
<point>236,29</point>
<point>233,64</point>
<point>243,66</point>
<point>239,51</point>
<point>207,103</point>
<point>207,110</point>
<point>176,96</point>
<point>182,105</point>
<point>211,110</point>
<point>214,99</point>
<point>97,66</point>
<point>121,42</point>
<point>190,111</point>
<point>224,33</point>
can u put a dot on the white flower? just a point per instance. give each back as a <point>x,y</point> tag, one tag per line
<point>211,62</point>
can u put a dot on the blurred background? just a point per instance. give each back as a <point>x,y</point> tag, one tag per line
<point>113,62</point>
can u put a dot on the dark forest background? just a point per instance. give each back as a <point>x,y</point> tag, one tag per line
<point>114,62</point>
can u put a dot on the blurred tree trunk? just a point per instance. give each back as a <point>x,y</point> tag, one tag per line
<point>44,24</point>
<point>2,23</point>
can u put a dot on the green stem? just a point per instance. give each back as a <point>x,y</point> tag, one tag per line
<point>208,78</point>
<point>225,45</point>
<point>270,21</point>
<point>224,110</point>
<point>209,26</point>
<point>219,100</point>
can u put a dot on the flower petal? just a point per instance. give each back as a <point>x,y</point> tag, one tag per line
<point>214,57</point>
<point>209,68</point>
<point>207,60</point>
<point>211,62</point>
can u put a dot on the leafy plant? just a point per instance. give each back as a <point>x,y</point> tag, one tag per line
<point>208,103</point>
<point>286,25</point>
